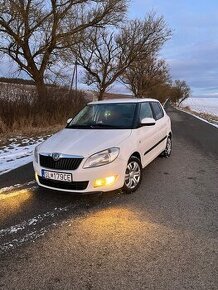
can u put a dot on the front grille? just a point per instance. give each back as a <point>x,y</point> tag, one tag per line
<point>62,163</point>
<point>75,185</point>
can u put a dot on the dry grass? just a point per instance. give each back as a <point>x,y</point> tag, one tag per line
<point>26,115</point>
<point>5,138</point>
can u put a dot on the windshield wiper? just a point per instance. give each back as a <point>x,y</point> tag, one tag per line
<point>74,126</point>
<point>101,125</point>
<point>92,126</point>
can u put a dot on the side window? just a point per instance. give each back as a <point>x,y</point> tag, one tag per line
<point>158,111</point>
<point>145,111</point>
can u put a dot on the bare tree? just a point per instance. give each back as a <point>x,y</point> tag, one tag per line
<point>180,91</point>
<point>141,76</point>
<point>106,54</point>
<point>33,32</point>
<point>161,91</point>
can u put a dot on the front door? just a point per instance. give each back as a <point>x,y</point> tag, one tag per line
<point>146,135</point>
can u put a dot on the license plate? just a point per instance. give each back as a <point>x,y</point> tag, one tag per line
<point>60,176</point>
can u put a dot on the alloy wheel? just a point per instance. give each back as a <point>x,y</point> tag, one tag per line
<point>132,175</point>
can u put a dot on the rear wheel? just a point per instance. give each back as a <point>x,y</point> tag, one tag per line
<point>167,152</point>
<point>133,175</point>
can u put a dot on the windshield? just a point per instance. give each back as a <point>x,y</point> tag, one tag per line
<point>106,116</point>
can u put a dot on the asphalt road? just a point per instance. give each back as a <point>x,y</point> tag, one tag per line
<point>164,236</point>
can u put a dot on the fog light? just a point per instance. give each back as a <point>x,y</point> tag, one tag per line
<point>105,181</point>
<point>110,180</point>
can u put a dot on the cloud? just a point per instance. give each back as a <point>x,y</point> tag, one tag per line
<point>192,52</point>
<point>198,66</point>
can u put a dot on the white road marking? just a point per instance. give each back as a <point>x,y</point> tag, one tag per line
<point>194,115</point>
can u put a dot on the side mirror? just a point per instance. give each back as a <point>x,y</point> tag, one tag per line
<point>148,122</point>
<point>69,120</point>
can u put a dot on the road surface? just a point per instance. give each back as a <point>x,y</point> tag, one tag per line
<point>164,236</point>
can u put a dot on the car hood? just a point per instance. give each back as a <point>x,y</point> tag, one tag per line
<point>83,142</point>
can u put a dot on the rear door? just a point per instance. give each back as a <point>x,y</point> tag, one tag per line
<point>161,127</point>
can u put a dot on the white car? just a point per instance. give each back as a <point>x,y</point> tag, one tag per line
<point>104,147</point>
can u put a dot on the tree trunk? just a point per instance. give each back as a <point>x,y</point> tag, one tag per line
<point>101,93</point>
<point>41,88</point>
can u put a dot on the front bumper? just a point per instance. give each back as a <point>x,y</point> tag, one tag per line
<point>83,179</point>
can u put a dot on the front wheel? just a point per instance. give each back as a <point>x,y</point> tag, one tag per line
<point>133,175</point>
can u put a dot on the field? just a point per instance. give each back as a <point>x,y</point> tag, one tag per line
<point>202,105</point>
<point>205,108</point>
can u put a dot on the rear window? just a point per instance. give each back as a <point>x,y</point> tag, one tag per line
<point>157,110</point>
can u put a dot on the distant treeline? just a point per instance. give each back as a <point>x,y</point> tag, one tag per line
<point>16,81</point>
<point>21,81</point>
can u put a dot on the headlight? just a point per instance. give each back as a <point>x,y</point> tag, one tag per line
<point>102,158</point>
<point>36,154</point>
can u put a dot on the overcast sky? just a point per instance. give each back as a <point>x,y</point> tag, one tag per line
<point>192,53</point>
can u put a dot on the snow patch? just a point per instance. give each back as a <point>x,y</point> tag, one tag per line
<point>32,236</point>
<point>33,221</point>
<point>16,186</point>
<point>18,153</point>
<point>202,105</point>
<point>28,230</point>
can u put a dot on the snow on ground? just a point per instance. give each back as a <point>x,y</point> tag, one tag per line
<point>202,105</point>
<point>18,152</point>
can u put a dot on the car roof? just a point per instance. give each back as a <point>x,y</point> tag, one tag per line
<point>124,100</point>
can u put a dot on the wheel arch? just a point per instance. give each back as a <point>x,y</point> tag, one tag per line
<point>137,155</point>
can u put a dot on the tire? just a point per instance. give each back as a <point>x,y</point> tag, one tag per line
<point>168,150</point>
<point>133,175</point>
